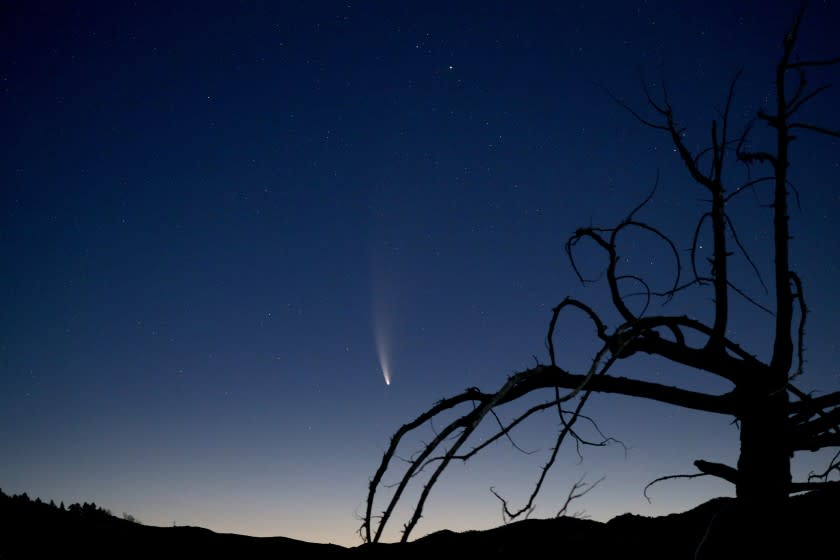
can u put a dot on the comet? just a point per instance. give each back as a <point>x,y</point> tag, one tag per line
<point>383,300</point>
<point>383,351</point>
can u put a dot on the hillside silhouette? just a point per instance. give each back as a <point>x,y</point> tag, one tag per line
<point>32,528</point>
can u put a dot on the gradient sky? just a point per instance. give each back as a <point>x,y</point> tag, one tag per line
<point>212,212</point>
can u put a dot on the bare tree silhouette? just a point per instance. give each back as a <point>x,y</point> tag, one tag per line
<point>776,418</point>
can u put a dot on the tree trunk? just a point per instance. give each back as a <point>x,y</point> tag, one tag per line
<point>764,464</point>
<point>755,526</point>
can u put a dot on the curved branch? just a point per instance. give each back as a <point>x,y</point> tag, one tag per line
<point>609,247</point>
<point>705,358</point>
<point>644,202</point>
<point>475,418</point>
<point>694,242</point>
<point>505,431</point>
<point>646,293</point>
<point>549,376</point>
<point>600,327</point>
<point>415,463</point>
<point>668,477</point>
<point>744,252</point>
<point>746,186</point>
<point>579,234</point>
<point>744,295</point>
<point>636,114</point>
<point>660,235</point>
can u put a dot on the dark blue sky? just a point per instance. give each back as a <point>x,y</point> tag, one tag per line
<point>211,213</point>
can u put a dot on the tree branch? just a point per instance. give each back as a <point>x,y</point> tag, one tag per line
<point>667,477</point>
<point>812,63</point>
<point>815,128</point>
<point>584,488</point>
<point>719,470</point>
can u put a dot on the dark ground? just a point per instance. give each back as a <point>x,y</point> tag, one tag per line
<point>808,528</point>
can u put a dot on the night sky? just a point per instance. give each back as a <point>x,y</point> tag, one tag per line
<point>219,222</point>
